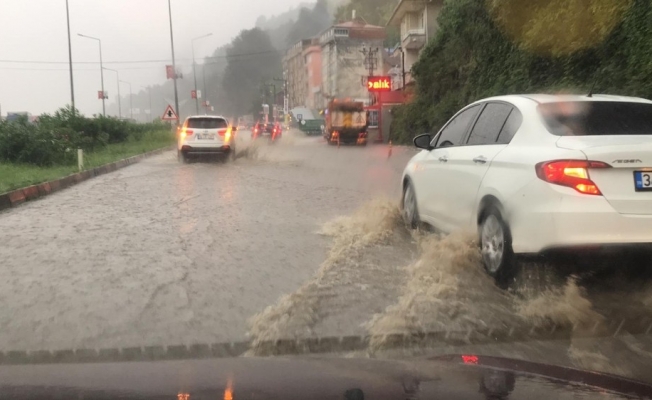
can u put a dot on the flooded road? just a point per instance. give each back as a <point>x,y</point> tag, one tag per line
<point>291,241</point>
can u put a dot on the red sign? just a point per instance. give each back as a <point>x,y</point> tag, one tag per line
<point>193,94</point>
<point>169,71</point>
<point>100,94</point>
<point>379,84</point>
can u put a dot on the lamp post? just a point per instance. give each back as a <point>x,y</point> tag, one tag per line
<point>149,92</point>
<point>194,68</point>
<point>101,72</point>
<point>118,82</point>
<point>131,106</point>
<point>174,65</point>
<point>72,85</point>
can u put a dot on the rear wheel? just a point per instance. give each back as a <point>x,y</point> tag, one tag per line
<point>182,157</point>
<point>496,247</point>
<point>410,210</point>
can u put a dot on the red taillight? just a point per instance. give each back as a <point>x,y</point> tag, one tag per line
<point>571,173</point>
<point>186,132</point>
<point>469,359</point>
<point>222,132</point>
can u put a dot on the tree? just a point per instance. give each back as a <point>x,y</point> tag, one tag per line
<point>251,61</point>
<point>375,12</point>
<point>309,23</point>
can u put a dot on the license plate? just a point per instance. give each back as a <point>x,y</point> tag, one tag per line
<point>206,136</point>
<point>642,180</point>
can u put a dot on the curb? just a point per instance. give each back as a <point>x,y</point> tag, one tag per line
<point>19,196</point>
<point>332,344</point>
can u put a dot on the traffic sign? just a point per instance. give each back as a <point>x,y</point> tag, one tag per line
<point>169,71</point>
<point>193,94</point>
<point>169,114</point>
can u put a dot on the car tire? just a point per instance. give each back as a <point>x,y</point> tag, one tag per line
<point>495,242</point>
<point>182,157</point>
<point>409,208</point>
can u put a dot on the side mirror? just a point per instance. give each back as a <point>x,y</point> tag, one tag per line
<point>423,141</point>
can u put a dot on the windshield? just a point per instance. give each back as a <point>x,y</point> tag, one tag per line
<point>207,123</point>
<point>188,179</point>
<point>597,118</point>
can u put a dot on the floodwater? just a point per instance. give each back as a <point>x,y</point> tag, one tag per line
<point>295,240</point>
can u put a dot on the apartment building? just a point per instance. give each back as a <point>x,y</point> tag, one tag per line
<point>417,20</point>
<point>345,65</point>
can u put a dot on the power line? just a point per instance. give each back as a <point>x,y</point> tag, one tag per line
<point>138,61</point>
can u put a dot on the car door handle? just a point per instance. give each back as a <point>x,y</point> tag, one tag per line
<point>443,159</point>
<point>480,160</point>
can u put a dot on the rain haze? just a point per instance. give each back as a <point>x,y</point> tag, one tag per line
<point>130,30</point>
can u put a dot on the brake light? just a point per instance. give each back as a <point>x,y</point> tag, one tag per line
<point>186,132</point>
<point>469,359</point>
<point>221,132</point>
<point>571,173</point>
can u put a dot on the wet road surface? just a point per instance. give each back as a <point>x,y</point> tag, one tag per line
<point>294,240</point>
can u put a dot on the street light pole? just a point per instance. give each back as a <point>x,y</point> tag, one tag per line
<point>174,65</point>
<point>119,101</point>
<point>131,106</point>
<point>149,92</point>
<point>203,78</point>
<point>72,85</point>
<point>101,72</point>
<point>194,68</point>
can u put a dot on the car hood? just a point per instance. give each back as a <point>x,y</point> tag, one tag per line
<point>450,377</point>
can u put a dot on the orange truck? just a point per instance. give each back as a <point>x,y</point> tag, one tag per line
<point>346,122</point>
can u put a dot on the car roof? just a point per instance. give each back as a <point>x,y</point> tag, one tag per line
<point>206,116</point>
<point>553,98</point>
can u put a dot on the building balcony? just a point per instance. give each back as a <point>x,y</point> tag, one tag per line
<point>414,39</point>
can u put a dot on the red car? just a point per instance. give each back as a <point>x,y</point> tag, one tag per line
<point>269,130</point>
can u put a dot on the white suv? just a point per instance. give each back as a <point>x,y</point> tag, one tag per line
<point>536,172</point>
<point>206,134</point>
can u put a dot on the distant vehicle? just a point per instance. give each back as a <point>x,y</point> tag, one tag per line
<point>206,135</point>
<point>346,122</point>
<point>15,116</point>
<point>307,121</point>
<point>535,173</point>
<point>267,130</point>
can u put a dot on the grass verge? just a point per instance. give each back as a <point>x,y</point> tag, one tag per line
<point>15,176</point>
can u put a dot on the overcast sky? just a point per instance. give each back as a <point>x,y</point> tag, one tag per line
<point>131,30</point>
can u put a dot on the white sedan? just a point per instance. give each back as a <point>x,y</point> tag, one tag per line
<point>532,173</point>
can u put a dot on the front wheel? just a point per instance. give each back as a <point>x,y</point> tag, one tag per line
<point>496,247</point>
<point>410,211</point>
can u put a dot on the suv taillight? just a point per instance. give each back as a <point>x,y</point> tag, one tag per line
<point>571,173</point>
<point>186,132</point>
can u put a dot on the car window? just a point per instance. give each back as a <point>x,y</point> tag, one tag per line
<point>489,124</point>
<point>512,124</point>
<point>584,118</point>
<point>207,123</point>
<point>453,133</point>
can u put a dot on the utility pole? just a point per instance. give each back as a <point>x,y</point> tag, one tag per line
<point>286,101</point>
<point>371,63</point>
<point>72,85</point>
<point>174,65</point>
<point>119,100</point>
<point>194,68</point>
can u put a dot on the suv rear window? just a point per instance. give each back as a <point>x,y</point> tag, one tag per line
<point>587,118</point>
<point>207,123</point>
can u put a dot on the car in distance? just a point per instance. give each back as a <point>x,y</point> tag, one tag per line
<point>531,173</point>
<point>206,135</point>
<point>267,130</point>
